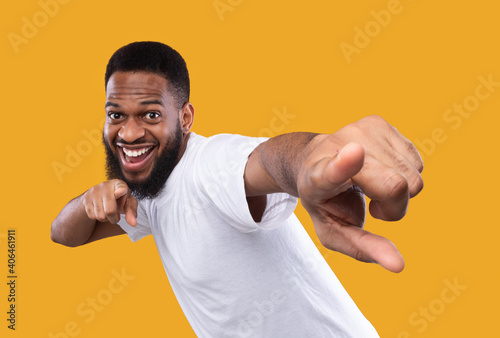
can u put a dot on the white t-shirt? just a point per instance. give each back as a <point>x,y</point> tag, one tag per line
<point>234,277</point>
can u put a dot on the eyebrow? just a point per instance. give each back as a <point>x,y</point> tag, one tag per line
<point>143,103</point>
<point>111,104</point>
<point>147,102</point>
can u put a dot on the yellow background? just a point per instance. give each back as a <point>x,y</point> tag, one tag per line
<point>245,64</point>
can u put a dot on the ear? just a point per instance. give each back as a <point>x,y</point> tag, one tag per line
<point>186,117</point>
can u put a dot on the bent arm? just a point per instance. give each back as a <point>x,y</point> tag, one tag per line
<point>95,214</point>
<point>72,227</point>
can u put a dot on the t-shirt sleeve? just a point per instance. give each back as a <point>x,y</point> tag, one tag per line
<point>221,168</point>
<point>142,229</point>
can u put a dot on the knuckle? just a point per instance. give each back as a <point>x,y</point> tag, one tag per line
<point>416,186</point>
<point>396,186</point>
<point>356,129</point>
<point>85,202</point>
<point>89,212</point>
<point>87,197</point>
<point>415,156</point>
<point>366,125</point>
<point>116,183</point>
<point>314,175</point>
<point>111,213</point>
<point>101,216</point>
<point>358,253</point>
<point>315,178</point>
<point>420,165</point>
<point>375,120</point>
<point>115,218</point>
<point>402,165</point>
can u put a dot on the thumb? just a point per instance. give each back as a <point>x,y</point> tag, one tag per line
<point>336,172</point>
<point>121,189</point>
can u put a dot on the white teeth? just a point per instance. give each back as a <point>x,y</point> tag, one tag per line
<point>135,153</point>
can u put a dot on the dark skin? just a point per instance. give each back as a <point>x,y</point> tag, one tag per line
<point>139,106</point>
<point>331,173</point>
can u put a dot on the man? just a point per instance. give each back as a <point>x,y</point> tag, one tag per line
<point>221,208</point>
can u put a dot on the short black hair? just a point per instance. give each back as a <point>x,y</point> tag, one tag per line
<point>154,57</point>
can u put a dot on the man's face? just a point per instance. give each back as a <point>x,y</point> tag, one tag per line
<point>142,134</point>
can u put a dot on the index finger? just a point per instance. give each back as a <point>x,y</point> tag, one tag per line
<point>360,244</point>
<point>131,211</point>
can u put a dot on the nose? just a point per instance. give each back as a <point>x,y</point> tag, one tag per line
<point>131,131</point>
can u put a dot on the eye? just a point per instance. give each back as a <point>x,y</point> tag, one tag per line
<point>151,115</point>
<point>115,116</point>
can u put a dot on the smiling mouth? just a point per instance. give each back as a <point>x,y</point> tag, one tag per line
<point>136,155</point>
<point>136,158</point>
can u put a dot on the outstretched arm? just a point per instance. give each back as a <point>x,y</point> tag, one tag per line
<point>332,173</point>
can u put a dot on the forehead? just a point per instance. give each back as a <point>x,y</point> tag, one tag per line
<point>137,84</point>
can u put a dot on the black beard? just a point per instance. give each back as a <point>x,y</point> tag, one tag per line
<point>162,168</point>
